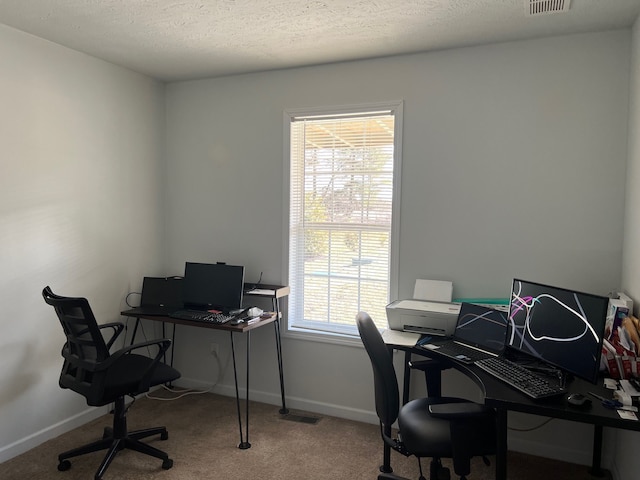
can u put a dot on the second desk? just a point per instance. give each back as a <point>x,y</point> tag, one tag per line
<point>504,398</point>
<point>245,329</point>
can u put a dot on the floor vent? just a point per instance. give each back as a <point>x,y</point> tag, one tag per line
<point>292,417</point>
<point>543,7</point>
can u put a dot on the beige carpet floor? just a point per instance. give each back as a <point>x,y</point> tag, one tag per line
<point>203,439</point>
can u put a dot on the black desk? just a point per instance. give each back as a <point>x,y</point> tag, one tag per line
<point>267,291</point>
<point>503,398</point>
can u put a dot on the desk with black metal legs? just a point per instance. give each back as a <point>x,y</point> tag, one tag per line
<point>275,293</point>
<point>241,328</point>
<point>504,399</point>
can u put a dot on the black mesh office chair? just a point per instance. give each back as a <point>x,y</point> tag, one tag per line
<point>103,378</point>
<point>442,427</point>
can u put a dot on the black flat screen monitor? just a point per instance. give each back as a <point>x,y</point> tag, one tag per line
<point>213,286</point>
<point>561,327</point>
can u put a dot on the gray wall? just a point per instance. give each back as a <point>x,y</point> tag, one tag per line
<point>80,210</point>
<point>514,159</point>
<point>626,460</point>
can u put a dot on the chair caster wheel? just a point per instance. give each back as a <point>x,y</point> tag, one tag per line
<point>164,436</point>
<point>167,464</point>
<point>64,465</point>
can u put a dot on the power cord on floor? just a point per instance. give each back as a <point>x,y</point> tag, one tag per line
<point>530,429</point>
<point>189,391</point>
<point>182,393</point>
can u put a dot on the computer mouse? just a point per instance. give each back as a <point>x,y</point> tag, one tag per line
<point>577,399</point>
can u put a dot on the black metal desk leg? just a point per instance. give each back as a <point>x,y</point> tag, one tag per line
<point>173,343</point>
<point>164,335</point>
<point>173,346</point>
<point>244,440</point>
<point>246,405</point>
<point>407,376</point>
<point>135,330</point>
<point>596,459</point>
<point>501,447</point>
<point>276,306</point>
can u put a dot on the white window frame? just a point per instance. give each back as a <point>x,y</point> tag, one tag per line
<point>315,330</point>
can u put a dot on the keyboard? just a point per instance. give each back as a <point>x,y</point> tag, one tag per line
<point>460,352</point>
<point>520,378</point>
<point>201,316</point>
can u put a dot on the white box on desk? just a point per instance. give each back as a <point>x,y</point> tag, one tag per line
<point>627,300</point>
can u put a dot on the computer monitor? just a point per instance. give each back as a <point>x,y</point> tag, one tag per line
<point>213,286</point>
<point>561,327</point>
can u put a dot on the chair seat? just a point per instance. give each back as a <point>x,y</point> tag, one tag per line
<point>427,436</point>
<point>419,429</point>
<point>124,376</point>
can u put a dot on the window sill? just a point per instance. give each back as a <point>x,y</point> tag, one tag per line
<point>314,335</point>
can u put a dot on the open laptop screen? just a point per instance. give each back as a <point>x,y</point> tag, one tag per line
<point>482,327</point>
<point>161,292</point>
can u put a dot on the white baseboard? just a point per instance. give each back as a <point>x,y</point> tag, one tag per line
<point>294,403</point>
<point>27,443</point>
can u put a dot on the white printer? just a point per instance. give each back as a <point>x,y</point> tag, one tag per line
<point>422,316</point>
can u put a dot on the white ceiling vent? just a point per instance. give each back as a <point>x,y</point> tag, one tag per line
<point>543,7</point>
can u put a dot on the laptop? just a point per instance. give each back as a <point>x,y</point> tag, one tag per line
<point>160,296</point>
<point>480,332</point>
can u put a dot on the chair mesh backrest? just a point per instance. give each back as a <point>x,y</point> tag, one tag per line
<point>85,347</point>
<point>387,394</point>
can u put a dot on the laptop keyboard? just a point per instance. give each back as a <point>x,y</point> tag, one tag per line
<point>520,378</point>
<point>201,316</point>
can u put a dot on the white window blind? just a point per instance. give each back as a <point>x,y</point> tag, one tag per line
<point>341,208</point>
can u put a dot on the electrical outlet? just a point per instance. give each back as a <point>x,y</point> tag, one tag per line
<point>214,349</point>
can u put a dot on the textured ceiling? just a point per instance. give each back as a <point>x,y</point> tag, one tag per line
<point>187,39</point>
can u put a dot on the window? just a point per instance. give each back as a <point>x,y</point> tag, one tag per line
<point>344,169</point>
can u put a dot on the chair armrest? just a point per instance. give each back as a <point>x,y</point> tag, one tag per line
<point>432,369</point>
<point>117,330</point>
<point>457,410</point>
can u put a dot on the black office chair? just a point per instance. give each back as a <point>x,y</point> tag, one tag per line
<point>103,378</point>
<point>443,427</point>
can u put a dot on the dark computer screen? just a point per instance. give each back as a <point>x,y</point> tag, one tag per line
<point>213,285</point>
<point>161,291</point>
<point>482,327</point>
<point>558,326</point>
